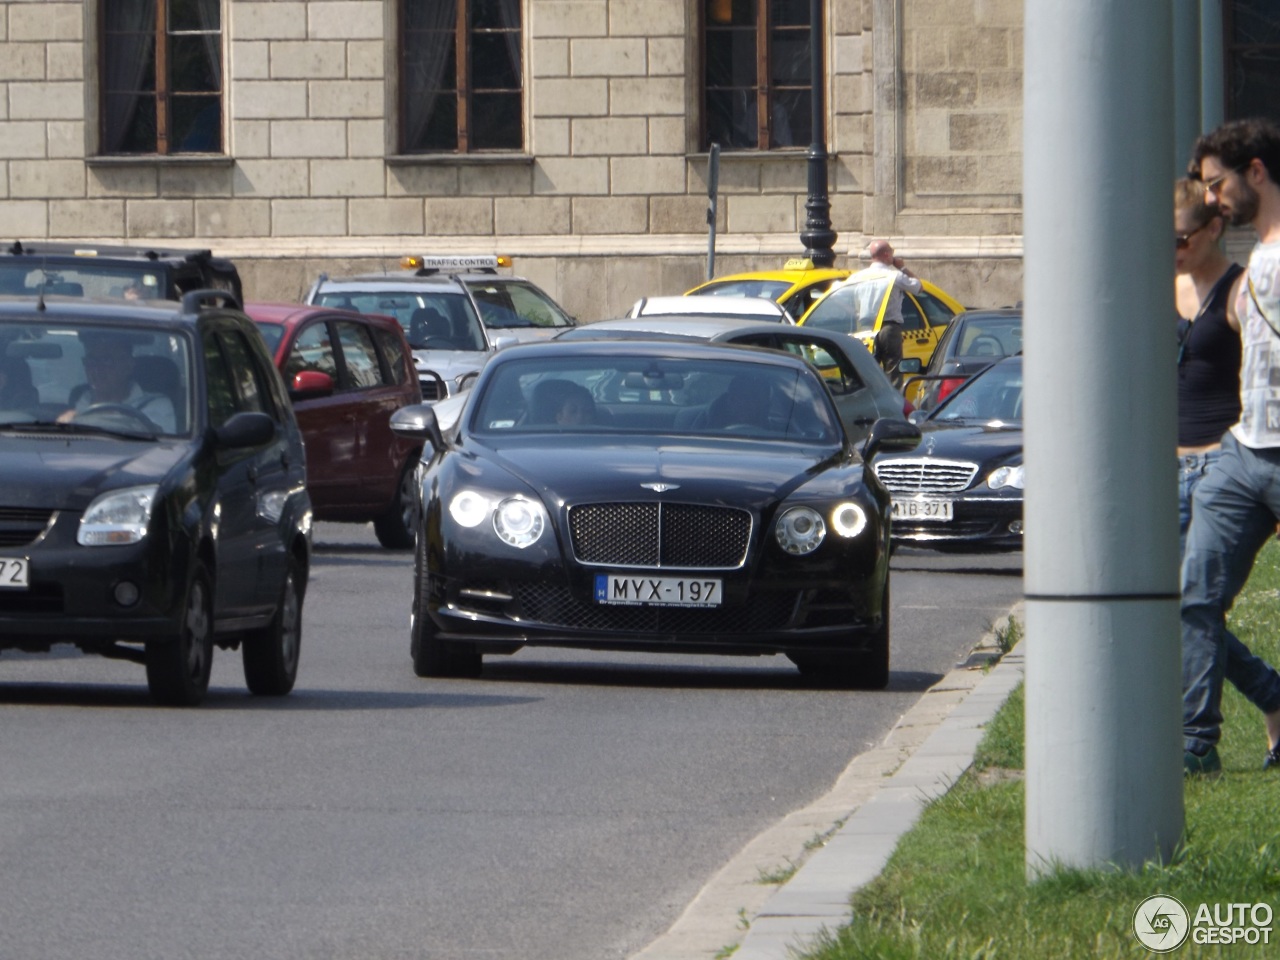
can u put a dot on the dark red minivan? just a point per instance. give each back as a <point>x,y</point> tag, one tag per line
<point>346,374</point>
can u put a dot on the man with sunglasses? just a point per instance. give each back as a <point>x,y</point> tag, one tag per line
<point>1236,507</point>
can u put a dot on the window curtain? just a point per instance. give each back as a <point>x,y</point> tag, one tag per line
<point>128,52</point>
<point>210,14</point>
<point>430,23</point>
<point>509,11</point>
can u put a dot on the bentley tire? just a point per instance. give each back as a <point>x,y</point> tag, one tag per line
<point>432,656</point>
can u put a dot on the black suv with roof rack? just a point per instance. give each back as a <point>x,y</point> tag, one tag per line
<point>112,272</point>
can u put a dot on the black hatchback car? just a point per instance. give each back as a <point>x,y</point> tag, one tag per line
<point>153,502</point>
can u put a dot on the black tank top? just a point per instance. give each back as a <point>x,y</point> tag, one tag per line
<point>1209,370</point>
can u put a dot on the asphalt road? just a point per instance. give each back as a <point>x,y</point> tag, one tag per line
<point>565,806</point>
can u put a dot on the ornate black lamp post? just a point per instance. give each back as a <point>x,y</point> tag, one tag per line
<point>818,237</point>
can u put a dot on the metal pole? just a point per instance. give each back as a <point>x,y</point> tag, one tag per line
<point>818,238</point>
<point>1186,81</point>
<point>1103,725</point>
<point>1213,70</point>
<point>713,193</point>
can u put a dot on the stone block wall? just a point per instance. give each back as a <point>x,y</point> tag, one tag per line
<point>961,103</point>
<point>611,175</point>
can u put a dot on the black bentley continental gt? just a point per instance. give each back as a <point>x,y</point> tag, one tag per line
<point>652,496</point>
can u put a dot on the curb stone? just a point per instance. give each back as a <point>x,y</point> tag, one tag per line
<point>877,799</point>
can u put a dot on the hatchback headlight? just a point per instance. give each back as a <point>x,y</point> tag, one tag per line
<point>800,530</point>
<point>1006,477</point>
<point>519,522</point>
<point>118,517</point>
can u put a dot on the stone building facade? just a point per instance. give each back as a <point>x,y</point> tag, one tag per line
<point>607,198</point>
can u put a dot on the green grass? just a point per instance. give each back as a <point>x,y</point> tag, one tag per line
<point>956,887</point>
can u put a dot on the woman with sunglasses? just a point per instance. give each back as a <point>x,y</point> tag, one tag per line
<point>1208,339</point>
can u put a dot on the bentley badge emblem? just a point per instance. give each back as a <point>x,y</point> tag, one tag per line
<point>660,487</point>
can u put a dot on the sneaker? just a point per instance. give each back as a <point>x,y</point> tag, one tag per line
<point>1272,759</point>
<point>1195,765</point>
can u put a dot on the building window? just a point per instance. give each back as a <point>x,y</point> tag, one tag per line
<point>1253,58</point>
<point>161,77</point>
<point>756,76</point>
<point>462,79</point>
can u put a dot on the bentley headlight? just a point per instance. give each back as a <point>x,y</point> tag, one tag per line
<point>469,508</point>
<point>800,530</point>
<point>848,520</point>
<point>519,522</point>
<point>1006,477</point>
<point>118,517</point>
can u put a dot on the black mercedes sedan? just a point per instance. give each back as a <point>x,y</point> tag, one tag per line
<point>153,502</point>
<point>652,496</point>
<point>961,489</point>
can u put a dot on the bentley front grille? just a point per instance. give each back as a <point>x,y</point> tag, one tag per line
<point>684,535</point>
<point>925,475</point>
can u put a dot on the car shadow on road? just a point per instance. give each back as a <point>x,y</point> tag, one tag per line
<point>115,696</point>
<point>354,559</point>
<point>677,676</point>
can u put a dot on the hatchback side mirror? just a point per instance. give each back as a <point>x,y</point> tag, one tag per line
<point>890,434</point>
<point>250,429</point>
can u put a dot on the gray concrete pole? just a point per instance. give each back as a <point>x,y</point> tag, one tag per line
<point>1213,69</point>
<point>1103,731</point>
<point>1186,81</point>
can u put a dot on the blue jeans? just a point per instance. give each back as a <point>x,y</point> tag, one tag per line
<point>1192,468</point>
<point>1234,510</point>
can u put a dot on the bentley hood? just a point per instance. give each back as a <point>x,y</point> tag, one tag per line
<point>706,472</point>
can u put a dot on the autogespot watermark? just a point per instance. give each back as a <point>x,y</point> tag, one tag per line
<point>1162,924</point>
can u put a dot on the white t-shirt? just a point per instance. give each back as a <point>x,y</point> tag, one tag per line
<point>1259,425</point>
<point>881,279</point>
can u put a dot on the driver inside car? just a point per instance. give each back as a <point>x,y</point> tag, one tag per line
<point>109,372</point>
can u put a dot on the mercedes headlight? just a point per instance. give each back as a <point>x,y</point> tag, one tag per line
<point>519,522</point>
<point>1006,477</point>
<point>118,517</point>
<point>800,530</point>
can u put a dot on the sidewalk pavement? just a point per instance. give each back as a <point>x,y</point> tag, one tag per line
<point>842,841</point>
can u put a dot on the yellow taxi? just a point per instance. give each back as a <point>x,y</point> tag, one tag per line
<point>845,308</point>
<point>797,286</point>
<point>802,289</point>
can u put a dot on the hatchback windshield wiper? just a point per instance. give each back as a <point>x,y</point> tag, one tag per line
<point>53,426</point>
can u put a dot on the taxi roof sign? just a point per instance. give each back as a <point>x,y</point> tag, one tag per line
<point>455,263</point>
<point>798,263</point>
